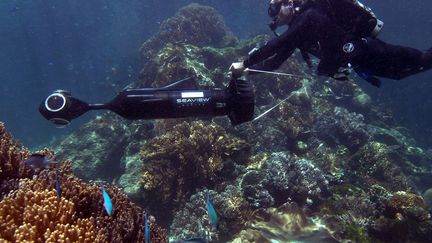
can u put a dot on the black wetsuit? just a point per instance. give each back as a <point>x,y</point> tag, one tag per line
<point>313,31</point>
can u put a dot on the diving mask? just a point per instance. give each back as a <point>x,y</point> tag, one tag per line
<point>275,7</point>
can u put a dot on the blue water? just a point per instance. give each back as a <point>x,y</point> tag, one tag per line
<point>91,49</point>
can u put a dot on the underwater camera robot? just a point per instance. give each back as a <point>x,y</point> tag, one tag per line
<point>237,101</point>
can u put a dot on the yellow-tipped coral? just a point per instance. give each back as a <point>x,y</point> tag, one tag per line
<point>32,211</point>
<point>40,216</point>
<point>11,157</point>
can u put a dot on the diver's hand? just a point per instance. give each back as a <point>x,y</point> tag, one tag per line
<point>237,70</point>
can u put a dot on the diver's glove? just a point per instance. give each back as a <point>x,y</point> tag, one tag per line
<point>238,69</point>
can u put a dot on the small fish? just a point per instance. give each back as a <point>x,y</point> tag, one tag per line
<point>57,185</point>
<point>39,161</point>
<point>146,229</point>
<point>212,212</point>
<point>107,202</point>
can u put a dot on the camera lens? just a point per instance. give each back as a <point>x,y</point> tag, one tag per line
<point>55,102</point>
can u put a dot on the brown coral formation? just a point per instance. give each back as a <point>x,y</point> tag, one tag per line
<point>376,165</point>
<point>74,217</point>
<point>11,158</point>
<point>194,24</point>
<point>39,216</point>
<point>32,210</point>
<point>189,156</point>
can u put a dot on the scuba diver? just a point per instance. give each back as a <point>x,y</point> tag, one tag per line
<point>342,34</point>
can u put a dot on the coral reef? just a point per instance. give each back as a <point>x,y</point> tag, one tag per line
<point>374,164</point>
<point>206,66</point>
<point>11,162</point>
<point>33,211</point>
<point>287,223</point>
<point>77,215</point>
<point>192,220</point>
<point>95,148</point>
<point>190,155</point>
<point>39,216</point>
<point>341,127</point>
<point>346,172</point>
<point>282,178</point>
<point>194,24</point>
<point>98,147</point>
<point>405,219</point>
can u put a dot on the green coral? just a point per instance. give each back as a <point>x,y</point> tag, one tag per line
<point>357,233</point>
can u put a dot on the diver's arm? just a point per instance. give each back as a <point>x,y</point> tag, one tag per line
<point>283,46</point>
<point>275,61</point>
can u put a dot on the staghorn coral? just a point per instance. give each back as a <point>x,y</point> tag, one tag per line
<point>189,156</point>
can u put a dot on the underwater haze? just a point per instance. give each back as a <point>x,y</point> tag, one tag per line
<point>87,48</point>
<point>319,160</point>
<point>90,49</point>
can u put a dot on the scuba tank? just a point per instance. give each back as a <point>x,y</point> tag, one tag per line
<point>353,17</point>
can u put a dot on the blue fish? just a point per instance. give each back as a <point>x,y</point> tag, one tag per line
<point>39,161</point>
<point>146,229</point>
<point>57,185</point>
<point>212,212</point>
<point>107,202</point>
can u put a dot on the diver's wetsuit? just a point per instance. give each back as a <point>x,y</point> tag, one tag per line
<point>369,56</point>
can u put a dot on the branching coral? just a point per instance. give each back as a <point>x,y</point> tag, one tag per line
<point>11,158</point>
<point>189,156</point>
<point>126,222</point>
<point>40,216</point>
<point>35,213</point>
